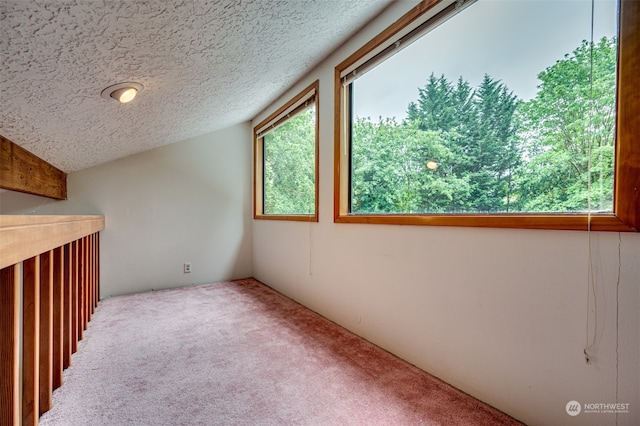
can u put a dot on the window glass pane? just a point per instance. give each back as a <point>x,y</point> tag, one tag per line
<point>289,166</point>
<point>507,107</point>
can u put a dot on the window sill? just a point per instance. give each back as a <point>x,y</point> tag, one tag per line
<point>577,222</point>
<point>290,217</point>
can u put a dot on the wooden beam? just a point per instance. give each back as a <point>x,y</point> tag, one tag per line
<point>10,345</point>
<point>22,171</point>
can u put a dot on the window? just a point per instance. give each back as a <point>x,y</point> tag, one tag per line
<point>476,144</point>
<point>286,160</point>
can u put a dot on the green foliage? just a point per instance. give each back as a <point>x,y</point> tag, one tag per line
<point>289,166</point>
<point>390,173</point>
<point>468,132</point>
<point>568,129</point>
<point>495,153</point>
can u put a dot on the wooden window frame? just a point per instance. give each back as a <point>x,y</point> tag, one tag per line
<point>626,210</point>
<point>258,160</point>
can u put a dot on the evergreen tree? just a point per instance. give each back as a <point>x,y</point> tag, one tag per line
<point>482,136</point>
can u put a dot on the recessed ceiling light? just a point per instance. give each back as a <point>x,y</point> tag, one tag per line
<point>122,92</point>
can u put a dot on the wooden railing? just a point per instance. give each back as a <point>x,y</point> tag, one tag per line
<point>51,265</point>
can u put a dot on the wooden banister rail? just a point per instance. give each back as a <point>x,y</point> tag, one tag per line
<point>51,263</point>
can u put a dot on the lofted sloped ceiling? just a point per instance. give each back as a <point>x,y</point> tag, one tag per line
<point>204,65</point>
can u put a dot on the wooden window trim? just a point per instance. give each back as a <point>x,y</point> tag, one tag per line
<point>626,216</point>
<point>258,161</point>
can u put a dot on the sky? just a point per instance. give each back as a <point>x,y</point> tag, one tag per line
<point>510,40</point>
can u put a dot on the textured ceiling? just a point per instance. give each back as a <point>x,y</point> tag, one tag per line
<point>204,65</point>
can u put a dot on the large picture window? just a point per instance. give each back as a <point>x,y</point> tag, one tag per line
<point>493,113</point>
<point>285,155</point>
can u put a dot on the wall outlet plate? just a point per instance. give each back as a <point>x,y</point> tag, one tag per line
<point>187,267</point>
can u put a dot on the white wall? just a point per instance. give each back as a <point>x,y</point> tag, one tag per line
<point>188,201</point>
<point>498,313</point>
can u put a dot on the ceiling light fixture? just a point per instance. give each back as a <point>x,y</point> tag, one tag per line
<point>122,92</point>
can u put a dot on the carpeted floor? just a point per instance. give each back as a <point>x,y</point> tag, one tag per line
<point>239,353</point>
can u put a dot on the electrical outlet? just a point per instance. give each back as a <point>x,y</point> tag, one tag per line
<point>187,267</point>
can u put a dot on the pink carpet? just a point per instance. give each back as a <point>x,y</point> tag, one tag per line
<point>239,353</point>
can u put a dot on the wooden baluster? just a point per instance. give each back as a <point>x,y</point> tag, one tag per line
<point>74,297</point>
<point>58,316</point>
<point>68,306</point>
<point>9,345</point>
<point>30,341</point>
<point>46,331</point>
<point>87,282</point>
<point>97,268</point>
<point>88,275</point>
<point>80,288</point>
<point>93,273</point>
